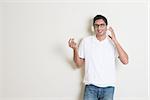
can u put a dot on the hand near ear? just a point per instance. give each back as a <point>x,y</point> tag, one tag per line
<point>123,56</point>
<point>112,36</point>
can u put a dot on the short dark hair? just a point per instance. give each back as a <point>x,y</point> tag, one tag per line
<point>100,17</point>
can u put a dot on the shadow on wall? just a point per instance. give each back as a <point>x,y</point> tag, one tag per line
<point>90,31</point>
<point>59,50</point>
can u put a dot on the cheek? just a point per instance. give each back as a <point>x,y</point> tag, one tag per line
<point>105,29</point>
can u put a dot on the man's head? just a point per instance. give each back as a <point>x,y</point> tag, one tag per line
<point>100,24</point>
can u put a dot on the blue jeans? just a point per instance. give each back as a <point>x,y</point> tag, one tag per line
<point>93,92</point>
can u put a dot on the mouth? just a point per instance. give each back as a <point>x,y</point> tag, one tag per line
<point>99,31</point>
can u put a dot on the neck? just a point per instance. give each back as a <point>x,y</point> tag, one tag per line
<point>101,37</point>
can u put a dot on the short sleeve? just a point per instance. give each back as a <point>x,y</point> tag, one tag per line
<point>82,49</point>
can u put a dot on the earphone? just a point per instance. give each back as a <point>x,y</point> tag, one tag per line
<point>92,28</point>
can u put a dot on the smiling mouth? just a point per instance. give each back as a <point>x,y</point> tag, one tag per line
<point>100,31</point>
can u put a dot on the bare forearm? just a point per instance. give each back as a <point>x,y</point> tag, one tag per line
<point>122,54</point>
<point>78,61</point>
<point>75,55</point>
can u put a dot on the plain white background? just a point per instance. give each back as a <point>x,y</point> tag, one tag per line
<point>36,62</point>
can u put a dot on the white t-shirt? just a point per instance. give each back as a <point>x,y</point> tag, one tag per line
<point>100,68</point>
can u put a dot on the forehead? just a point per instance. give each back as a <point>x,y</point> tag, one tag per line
<point>99,21</point>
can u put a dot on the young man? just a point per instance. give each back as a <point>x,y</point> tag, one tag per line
<point>99,52</point>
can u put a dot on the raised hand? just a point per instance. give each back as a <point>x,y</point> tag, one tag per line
<point>113,37</point>
<point>72,44</point>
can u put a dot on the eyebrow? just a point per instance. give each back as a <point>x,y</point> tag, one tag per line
<point>100,24</point>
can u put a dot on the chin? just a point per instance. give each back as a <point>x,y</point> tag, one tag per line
<point>100,34</point>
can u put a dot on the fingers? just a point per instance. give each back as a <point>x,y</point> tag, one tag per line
<point>71,43</point>
<point>71,40</point>
<point>110,29</point>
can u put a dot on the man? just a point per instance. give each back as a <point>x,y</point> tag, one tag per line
<point>99,52</point>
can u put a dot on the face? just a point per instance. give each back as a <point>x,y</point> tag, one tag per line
<point>100,27</point>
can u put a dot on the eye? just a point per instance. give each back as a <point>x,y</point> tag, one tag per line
<point>101,25</point>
